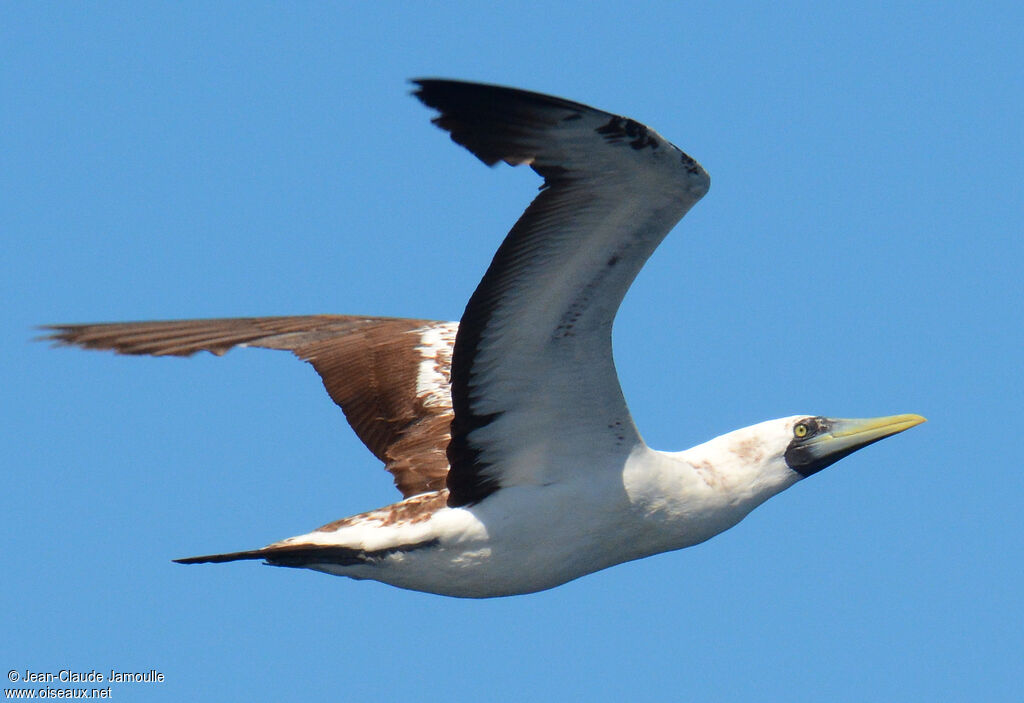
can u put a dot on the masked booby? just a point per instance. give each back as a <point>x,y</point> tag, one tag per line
<point>507,432</point>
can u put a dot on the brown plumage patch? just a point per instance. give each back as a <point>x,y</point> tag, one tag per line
<point>369,366</point>
<point>707,472</point>
<point>410,511</point>
<point>749,450</point>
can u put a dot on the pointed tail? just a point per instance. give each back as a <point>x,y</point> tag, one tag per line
<point>301,555</point>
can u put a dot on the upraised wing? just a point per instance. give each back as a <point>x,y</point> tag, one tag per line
<point>534,386</point>
<point>389,375</point>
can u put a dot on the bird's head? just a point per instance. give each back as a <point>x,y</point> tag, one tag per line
<point>762,459</point>
<point>817,442</point>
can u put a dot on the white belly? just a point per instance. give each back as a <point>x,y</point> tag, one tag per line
<point>521,540</point>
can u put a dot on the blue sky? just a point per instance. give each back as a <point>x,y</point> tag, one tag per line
<point>859,254</point>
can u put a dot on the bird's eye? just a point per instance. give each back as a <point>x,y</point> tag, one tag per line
<point>808,427</point>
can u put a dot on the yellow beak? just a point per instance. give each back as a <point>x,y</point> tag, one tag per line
<point>841,437</point>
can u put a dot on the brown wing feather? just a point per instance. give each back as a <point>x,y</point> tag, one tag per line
<point>370,366</point>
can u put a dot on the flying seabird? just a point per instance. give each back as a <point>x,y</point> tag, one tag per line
<point>507,433</point>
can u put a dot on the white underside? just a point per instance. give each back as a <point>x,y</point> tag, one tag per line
<point>529,538</point>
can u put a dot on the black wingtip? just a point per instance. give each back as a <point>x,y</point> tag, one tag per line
<point>494,122</point>
<point>432,91</point>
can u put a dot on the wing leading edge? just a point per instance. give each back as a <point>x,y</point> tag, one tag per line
<point>534,387</point>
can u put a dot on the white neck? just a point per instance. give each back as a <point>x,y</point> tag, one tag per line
<point>694,494</point>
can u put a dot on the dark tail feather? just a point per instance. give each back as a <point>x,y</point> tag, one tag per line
<point>291,555</point>
<point>306,554</point>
